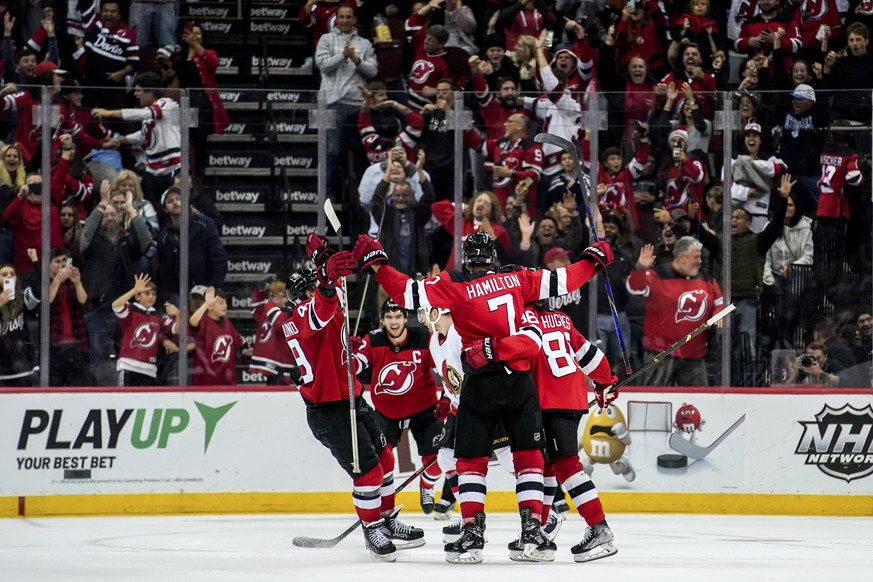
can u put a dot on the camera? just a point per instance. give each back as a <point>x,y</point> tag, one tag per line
<point>808,360</point>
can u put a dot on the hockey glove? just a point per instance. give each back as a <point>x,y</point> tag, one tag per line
<point>606,394</point>
<point>443,407</point>
<point>368,252</point>
<point>599,254</point>
<point>316,247</point>
<point>356,342</point>
<point>482,352</point>
<point>334,265</point>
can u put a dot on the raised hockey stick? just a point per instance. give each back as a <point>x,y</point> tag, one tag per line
<point>682,445</point>
<point>367,280</point>
<point>353,416</point>
<point>307,542</point>
<point>568,147</point>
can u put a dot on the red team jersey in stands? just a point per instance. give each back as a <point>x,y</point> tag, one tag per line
<point>559,369</point>
<point>215,354</point>
<point>314,335</point>
<point>141,336</point>
<point>523,156</point>
<point>402,383</point>
<point>839,167</point>
<point>675,305</point>
<point>270,355</point>
<point>489,304</point>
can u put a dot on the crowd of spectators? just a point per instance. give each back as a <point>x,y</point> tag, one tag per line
<point>788,81</point>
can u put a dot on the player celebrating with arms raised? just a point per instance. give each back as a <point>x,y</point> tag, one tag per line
<point>315,333</point>
<point>487,309</point>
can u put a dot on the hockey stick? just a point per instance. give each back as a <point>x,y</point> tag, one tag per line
<point>568,147</point>
<point>307,542</point>
<point>353,416</point>
<point>696,452</point>
<point>367,280</point>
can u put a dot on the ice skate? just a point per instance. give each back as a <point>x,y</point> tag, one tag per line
<point>560,505</point>
<point>531,545</point>
<point>596,544</point>
<point>453,532</point>
<point>468,548</point>
<point>553,525</point>
<point>405,536</point>
<point>380,546</point>
<point>426,497</point>
<point>442,509</point>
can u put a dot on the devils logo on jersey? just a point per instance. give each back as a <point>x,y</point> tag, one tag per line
<point>813,10</point>
<point>265,331</point>
<point>421,70</point>
<point>676,195</point>
<point>222,348</point>
<point>865,7</point>
<point>395,379</point>
<point>692,305</point>
<point>145,336</point>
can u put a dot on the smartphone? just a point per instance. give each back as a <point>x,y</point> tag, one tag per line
<point>526,184</point>
<point>189,27</point>
<point>9,287</point>
<point>68,262</point>
<point>549,39</point>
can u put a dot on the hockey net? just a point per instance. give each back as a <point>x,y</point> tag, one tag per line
<point>651,416</point>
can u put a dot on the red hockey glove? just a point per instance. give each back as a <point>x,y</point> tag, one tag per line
<point>316,247</point>
<point>606,394</point>
<point>482,352</point>
<point>334,265</point>
<point>356,342</point>
<point>443,407</point>
<point>599,253</point>
<point>368,252</point>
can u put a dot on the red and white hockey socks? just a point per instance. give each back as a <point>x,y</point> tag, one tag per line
<point>471,486</point>
<point>581,489</point>
<point>386,462</point>
<point>367,495</point>
<point>432,474</point>
<point>529,481</point>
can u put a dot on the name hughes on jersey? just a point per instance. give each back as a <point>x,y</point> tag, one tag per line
<point>492,285</point>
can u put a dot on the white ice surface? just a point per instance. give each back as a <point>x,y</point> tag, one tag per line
<point>255,548</point>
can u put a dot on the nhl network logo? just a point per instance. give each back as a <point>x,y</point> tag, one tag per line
<point>839,442</point>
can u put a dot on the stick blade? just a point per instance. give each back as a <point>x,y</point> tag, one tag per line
<point>554,140</point>
<point>332,218</point>
<point>307,542</point>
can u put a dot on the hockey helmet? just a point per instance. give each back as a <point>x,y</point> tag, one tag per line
<point>390,306</point>
<point>479,249</point>
<point>299,282</point>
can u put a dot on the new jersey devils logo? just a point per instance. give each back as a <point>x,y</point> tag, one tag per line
<point>865,7</point>
<point>692,305</point>
<point>144,336</point>
<point>421,70</point>
<point>676,196</point>
<point>395,378</point>
<point>265,331</point>
<point>222,348</point>
<point>814,10</point>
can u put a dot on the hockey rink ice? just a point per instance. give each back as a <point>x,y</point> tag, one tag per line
<point>254,548</point>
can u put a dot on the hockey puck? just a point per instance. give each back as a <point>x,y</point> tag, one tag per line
<point>672,461</point>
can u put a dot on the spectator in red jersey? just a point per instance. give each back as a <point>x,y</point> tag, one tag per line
<point>431,62</point>
<point>495,106</point>
<point>141,334</point>
<point>397,363</point>
<point>696,27</point>
<point>640,33</point>
<point>315,334</point>
<point>690,70</point>
<point>681,179</point>
<point>70,363</point>
<point>482,213</point>
<point>615,190</point>
<point>679,297</point>
<point>24,217</point>
<point>217,342</point>
<point>396,124</point>
<point>270,355</point>
<point>529,17</point>
<point>560,371</point>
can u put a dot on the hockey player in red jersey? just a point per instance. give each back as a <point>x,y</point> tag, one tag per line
<point>398,365</point>
<point>314,334</point>
<point>499,343</point>
<point>559,372</point>
<point>141,334</point>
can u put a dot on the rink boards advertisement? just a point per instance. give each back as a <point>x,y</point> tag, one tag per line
<point>770,442</point>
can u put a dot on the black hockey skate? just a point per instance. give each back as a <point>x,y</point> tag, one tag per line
<point>442,509</point>
<point>453,532</point>
<point>532,545</point>
<point>560,505</point>
<point>405,537</point>
<point>426,497</point>
<point>553,525</point>
<point>380,546</point>
<point>468,548</point>
<point>596,544</point>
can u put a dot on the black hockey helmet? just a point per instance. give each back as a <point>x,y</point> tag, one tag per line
<point>299,282</point>
<point>390,306</point>
<point>479,249</point>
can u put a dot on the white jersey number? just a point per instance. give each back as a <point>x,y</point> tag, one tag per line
<point>561,363</point>
<point>303,364</point>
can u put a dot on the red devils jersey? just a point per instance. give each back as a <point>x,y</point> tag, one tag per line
<point>322,17</point>
<point>270,355</point>
<point>684,185</point>
<point>141,336</point>
<point>493,113</point>
<point>378,147</point>
<point>521,155</point>
<point>402,383</point>
<point>427,69</point>
<point>560,367</point>
<point>810,15</point>
<point>489,304</point>
<point>314,334</point>
<point>620,186</point>
<point>675,305</point>
<point>215,346</point>
<point>839,167</point>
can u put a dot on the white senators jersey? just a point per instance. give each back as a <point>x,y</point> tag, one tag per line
<point>446,353</point>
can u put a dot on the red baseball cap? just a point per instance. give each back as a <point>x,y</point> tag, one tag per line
<point>46,67</point>
<point>555,253</point>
